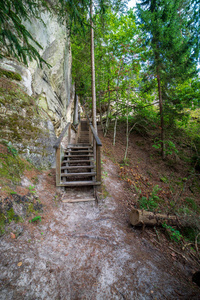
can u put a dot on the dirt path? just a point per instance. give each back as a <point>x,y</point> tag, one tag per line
<point>84,251</point>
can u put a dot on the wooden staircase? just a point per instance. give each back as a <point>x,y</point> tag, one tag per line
<point>78,166</point>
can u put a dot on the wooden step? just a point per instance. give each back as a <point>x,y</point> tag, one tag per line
<point>79,151</point>
<point>78,161</point>
<point>85,144</point>
<point>82,155</point>
<point>79,145</point>
<point>79,148</point>
<point>78,200</point>
<point>80,183</point>
<point>76,167</point>
<point>78,174</point>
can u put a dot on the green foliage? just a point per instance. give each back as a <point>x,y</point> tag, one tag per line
<point>11,149</point>
<point>35,219</point>
<point>32,189</point>
<point>148,204</point>
<point>171,57</point>
<point>152,202</point>
<point>170,147</point>
<point>173,233</point>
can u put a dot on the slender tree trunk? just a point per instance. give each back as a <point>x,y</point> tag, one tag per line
<point>161,115</point>
<point>94,122</point>
<point>115,131</point>
<point>127,133</point>
<point>116,118</point>
<point>117,100</point>
<point>108,110</point>
<point>75,121</point>
<point>99,99</point>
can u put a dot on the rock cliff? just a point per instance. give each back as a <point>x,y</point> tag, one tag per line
<point>50,88</point>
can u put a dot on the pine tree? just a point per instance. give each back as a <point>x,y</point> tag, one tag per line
<point>171,41</point>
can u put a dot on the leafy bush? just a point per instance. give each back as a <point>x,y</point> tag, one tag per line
<point>150,203</point>
<point>170,147</point>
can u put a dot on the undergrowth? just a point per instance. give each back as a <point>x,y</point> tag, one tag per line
<point>175,187</point>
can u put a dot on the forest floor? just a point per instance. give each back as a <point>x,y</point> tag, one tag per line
<point>89,251</point>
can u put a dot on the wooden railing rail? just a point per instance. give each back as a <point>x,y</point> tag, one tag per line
<point>98,142</point>
<point>58,146</point>
<point>61,136</point>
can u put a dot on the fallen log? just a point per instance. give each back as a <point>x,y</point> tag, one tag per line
<point>142,217</point>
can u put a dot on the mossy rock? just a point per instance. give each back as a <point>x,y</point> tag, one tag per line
<point>10,74</point>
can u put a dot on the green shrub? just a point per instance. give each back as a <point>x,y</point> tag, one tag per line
<point>173,233</point>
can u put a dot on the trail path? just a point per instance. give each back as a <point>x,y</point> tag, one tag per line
<point>84,251</point>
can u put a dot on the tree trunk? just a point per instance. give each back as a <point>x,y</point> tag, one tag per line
<point>94,122</point>
<point>108,111</point>
<point>115,126</point>
<point>115,130</point>
<point>127,133</point>
<point>141,217</point>
<point>161,115</point>
<point>101,119</point>
<point>75,121</point>
<point>117,99</point>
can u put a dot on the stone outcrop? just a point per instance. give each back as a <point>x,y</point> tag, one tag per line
<point>50,87</point>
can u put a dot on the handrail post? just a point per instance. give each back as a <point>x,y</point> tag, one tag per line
<point>98,162</point>
<point>78,133</point>
<point>69,134</point>
<point>90,135</point>
<point>58,166</point>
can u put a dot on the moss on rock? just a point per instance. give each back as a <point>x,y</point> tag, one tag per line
<point>10,74</point>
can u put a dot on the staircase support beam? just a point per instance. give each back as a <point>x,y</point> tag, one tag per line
<point>58,166</point>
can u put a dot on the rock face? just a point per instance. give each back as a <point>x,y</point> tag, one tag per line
<point>50,87</point>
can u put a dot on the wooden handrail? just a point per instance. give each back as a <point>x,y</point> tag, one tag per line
<point>95,135</point>
<point>93,130</point>
<point>61,136</point>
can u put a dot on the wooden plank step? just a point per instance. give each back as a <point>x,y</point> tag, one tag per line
<point>78,161</point>
<point>77,167</point>
<point>81,155</point>
<point>78,200</point>
<point>79,145</point>
<point>80,183</point>
<point>79,151</point>
<point>78,174</point>
<point>85,144</point>
<point>83,140</point>
<point>79,148</point>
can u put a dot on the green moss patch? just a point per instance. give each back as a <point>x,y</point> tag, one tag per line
<point>12,168</point>
<point>17,208</point>
<point>10,74</point>
<point>18,114</point>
